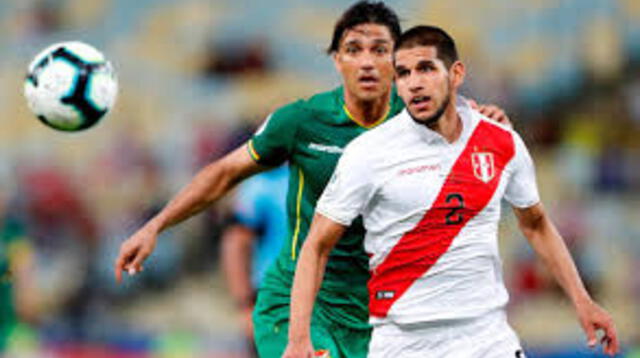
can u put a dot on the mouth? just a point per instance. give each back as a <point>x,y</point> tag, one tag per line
<point>420,102</point>
<point>368,81</point>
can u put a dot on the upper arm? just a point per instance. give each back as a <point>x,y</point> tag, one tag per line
<point>522,190</point>
<point>239,165</point>
<point>238,234</point>
<point>324,233</point>
<point>272,143</point>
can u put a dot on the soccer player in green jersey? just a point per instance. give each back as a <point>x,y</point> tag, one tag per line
<point>310,135</point>
<point>17,297</point>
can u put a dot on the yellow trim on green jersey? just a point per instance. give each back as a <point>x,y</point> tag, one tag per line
<point>294,241</point>
<point>252,151</point>
<point>19,251</point>
<point>368,126</point>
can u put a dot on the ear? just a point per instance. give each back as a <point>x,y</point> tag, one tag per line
<point>457,73</point>
<point>336,61</point>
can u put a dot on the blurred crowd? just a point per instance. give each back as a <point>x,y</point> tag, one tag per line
<point>197,77</point>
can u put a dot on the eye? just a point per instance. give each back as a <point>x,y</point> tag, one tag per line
<point>426,67</point>
<point>402,72</point>
<point>352,50</point>
<point>381,50</point>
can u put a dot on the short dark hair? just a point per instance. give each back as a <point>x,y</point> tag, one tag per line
<point>430,36</point>
<point>365,12</point>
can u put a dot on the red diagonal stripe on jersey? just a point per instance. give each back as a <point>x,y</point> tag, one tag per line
<point>419,249</point>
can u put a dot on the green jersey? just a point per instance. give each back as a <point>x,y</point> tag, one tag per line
<point>11,237</point>
<point>311,135</point>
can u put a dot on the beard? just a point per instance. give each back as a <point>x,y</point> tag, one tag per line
<point>433,119</point>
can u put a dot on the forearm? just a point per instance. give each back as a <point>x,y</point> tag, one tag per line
<point>209,185</point>
<point>308,277</point>
<point>205,188</point>
<point>551,249</point>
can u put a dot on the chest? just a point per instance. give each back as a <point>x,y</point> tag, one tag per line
<point>318,148</point>
<point>445,179</point>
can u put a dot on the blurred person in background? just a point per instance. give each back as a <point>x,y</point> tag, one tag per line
<point>65,234</point>
<point>254,239</point>
<point>18,294</point>
<point>310,135</point>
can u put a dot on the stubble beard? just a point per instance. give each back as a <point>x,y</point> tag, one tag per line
<point>431,121</point>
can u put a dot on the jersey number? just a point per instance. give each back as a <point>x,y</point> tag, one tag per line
<point>454,217</point>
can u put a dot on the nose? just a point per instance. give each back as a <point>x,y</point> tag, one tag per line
<point>367,61</point>
<point>415,85</point>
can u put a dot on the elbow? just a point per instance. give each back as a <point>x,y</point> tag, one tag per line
<point>219,180</point>
<point>534,224</point>
<point>315,248</point>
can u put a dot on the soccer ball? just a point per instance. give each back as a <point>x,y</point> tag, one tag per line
<point>70,86</point>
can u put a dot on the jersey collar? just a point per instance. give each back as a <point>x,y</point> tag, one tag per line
<point>467,115</point>
<point>349,117</point>
<point>367,126</point>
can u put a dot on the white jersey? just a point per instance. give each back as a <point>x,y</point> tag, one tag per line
<point>431,211</point>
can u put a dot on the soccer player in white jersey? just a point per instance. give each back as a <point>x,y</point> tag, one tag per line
<point>429,185</point>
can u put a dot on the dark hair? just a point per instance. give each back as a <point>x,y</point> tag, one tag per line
<point>365,12</point>
<point>430,36</point>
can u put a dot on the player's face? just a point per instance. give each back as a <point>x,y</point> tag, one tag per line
<point>364,59</point>
<point>424,82</point>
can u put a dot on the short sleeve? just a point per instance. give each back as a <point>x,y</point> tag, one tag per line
<point>349,190</point>
<point>522,190</point>
<point>273,142</point>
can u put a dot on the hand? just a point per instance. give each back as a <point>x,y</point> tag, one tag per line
<point>302,349</point>
<point>134,251</point>
<point>593,318</point>
<point>492,112</point>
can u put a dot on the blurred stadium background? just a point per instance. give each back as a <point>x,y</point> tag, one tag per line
<point>197,76</point>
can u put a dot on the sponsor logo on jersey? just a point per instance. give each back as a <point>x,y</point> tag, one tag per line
<point>483,167</point>
<point>334,149</point>
<point>419,169</point>
<point>385,295</point>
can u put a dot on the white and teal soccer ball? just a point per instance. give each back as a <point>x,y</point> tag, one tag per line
<point>70,86</point>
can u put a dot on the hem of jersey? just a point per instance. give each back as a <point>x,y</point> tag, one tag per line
<point>332,217</point>
<point>527,204</point>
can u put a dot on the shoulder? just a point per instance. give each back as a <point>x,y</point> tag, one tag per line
<point>319,102</point>
<point>497,127</point>
<point>317,105</point>
<point>380,138</point>
<point>497,130</point>
<point>503,136</point>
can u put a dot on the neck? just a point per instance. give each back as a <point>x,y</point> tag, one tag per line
<point>366,112</point>
<point>449,125</point>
